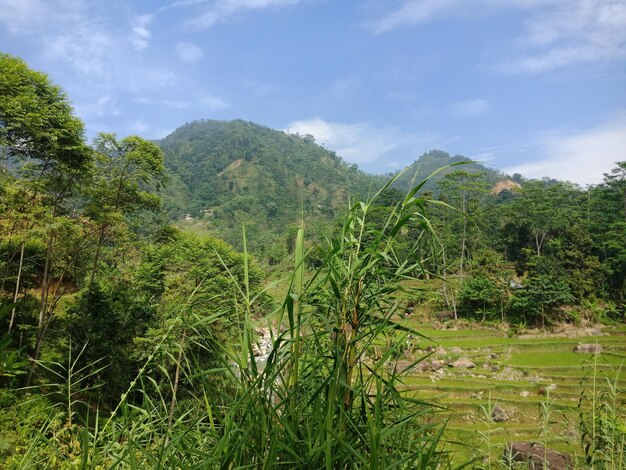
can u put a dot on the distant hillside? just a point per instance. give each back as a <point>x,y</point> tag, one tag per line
<point>226,173</point>
<point>435,159</point>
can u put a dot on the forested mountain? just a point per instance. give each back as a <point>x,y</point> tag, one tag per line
<point>431,161</point>
<point>223,174</point>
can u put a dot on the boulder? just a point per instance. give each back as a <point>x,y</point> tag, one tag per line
<point>436,350</point>
<point>435,364</point>
<point>524,393</point>
<point>429,365</point>
<point>588,349</point>
<point>456,350</point>
<point>509,373</point>
<point>532,454</point>
<point>462,363</point>
<point>499,414</point>
<point>399,366</point>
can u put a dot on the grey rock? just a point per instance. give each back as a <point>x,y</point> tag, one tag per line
<point>463,363</point>
<point>436,364</point>
<point>588,349</point>
<point>429,366</point>
<point>499,414</point>
<point>532,454</point>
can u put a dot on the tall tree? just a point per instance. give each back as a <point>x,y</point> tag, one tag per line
<point>464,189</point>
<point>607,224</point>
<point>127,175</point>
<point>42,138</point>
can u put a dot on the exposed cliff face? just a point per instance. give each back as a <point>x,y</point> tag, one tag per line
<point>505,185</point>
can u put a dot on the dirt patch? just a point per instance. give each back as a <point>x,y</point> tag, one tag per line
<point>505,185</point>
<point>233,166</point>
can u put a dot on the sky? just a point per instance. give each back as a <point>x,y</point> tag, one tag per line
<point>536,87</point>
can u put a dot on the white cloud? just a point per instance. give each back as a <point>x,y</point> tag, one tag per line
<point>580,157</point>
<point>213,102</point>
<point>141,33</point>
<point>187,52</point>
<point>80,33</point>
<point>212,12</point>
<point>557,33</point>
<point>148,131</point>
<point>362,142</point>
<point>203,100</point>
<point>575,32</point>
<point>413,12</point>
<point>469,108</point>
<point>100,106</point>
<point>88,50</point>
<point>18,16</point>
<point>151,101</point>
<point>63,30</point>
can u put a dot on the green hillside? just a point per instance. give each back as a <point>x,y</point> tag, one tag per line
<point>225,173</point>
<point>435,159</point>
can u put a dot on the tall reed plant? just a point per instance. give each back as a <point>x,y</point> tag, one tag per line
<point>602,417</point>
<point>320,401</point>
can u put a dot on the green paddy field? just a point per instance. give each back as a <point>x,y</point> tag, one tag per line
<point>538,381</point>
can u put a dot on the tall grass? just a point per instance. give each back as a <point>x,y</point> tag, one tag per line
<point>602,416</point>
<point>318,401</point>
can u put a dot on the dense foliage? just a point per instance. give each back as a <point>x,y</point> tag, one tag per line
<point>228,173</point>
<point>128,341</point>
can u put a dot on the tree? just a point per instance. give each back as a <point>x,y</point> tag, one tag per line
<point>127,174</point>
<point>607,225</point>
<point>542,210</point>
<point>461,189</point>
<point>44,141</point>
<point>545,289</point>
<point>464,188</point>
<point>38,127</point>
<point>488,286</point>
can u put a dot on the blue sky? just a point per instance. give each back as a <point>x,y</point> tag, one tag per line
<point>530,86</point>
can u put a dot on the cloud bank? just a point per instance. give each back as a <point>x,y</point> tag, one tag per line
<point>580,157</point>
<point>364,143</point>
<point>557,33</point>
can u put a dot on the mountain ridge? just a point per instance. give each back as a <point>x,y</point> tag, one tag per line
<point>227,173</point>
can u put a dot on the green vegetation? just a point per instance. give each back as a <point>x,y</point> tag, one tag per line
<point>136,331</point>
<point>224,174</point>
<point>516,374</point>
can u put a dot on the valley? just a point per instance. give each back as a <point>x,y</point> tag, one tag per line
<point>418,319</point>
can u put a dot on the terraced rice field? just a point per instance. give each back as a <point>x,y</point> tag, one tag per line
<point>515,374</point>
